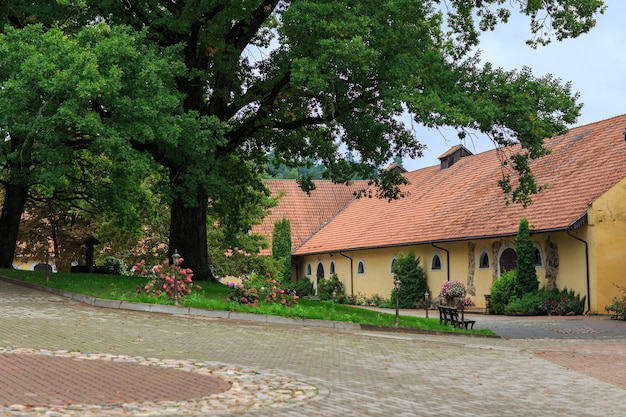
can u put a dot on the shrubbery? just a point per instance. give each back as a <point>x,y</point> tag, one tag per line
<point>302,288</point>
<point>547,303</point>
<point>326,287</point>
<point>376,300</point>
<point>617,309</point>
<point>162,279</point>
<point>413,281</point>
<point>503,291</point>
<point>257,289</point>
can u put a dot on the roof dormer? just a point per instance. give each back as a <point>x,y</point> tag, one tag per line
<point>452,155</point>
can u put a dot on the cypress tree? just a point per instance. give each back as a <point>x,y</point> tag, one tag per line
<point>527,281</point>
<point>281,248</point>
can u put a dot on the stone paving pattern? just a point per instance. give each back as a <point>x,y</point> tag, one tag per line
<point>578,369</point>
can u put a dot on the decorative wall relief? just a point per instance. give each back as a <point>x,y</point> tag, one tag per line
<point>552,264</point>
<point>495,251</point>
<point>471,268</point>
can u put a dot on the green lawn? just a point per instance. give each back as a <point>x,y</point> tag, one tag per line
<point>212,296</point>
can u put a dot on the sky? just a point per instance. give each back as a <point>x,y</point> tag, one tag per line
<point>595,63</point>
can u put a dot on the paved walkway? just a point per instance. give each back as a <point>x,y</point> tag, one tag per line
<point>562,366</point>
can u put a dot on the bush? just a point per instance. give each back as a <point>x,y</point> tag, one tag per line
<point>302,288</point>
<point>547,303</point>
<point>113,266</point>
<point>503,291</point>
<point>413,285</point>
<point>617,309</point>
<point>326,287</point>
<point>256,289</point>
<point>162,279</point>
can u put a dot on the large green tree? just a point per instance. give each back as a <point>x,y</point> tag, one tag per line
<point>304,77</point>
<point>63,147</point>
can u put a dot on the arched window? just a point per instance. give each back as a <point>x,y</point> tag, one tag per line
<point>393,262</point>
<point>483,260</point>
<point>331,268</point>
<point>508,260</point>
<point>435,263</point>
<point>320,272</point>
<point>360,268</point>
<point>309,272</point>
<point>538,255</point>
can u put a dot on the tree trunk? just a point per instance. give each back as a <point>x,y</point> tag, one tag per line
<point>14,201</point>
<point>188,235</point>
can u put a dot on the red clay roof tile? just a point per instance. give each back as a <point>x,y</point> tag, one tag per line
<point>307,213</point>
<point>464,200</point>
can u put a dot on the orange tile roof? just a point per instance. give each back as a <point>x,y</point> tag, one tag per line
<point>307,213</point>
<point>464,201</point>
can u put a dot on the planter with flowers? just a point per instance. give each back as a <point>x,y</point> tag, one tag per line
<point>452,293</point>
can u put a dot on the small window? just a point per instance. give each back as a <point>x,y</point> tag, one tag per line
<point>538,256</point>
<point>309,271</point>
<point>483,260</point>
<point>332,267</point>
<point>435,264</point>
<point>393,262</point>
<point>360,269</point>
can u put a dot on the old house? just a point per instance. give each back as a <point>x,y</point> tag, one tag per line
<point>455,220</point>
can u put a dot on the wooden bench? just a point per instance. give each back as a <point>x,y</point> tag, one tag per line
<point>451,315</point>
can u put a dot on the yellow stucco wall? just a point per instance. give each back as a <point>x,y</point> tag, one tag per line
<point>377,278</point>
<point>607,237</point>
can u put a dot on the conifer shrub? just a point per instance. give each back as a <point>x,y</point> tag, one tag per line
<point>413,281</point>
<point>527,281</point>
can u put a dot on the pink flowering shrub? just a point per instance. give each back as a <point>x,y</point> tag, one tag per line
<point>256,289</point>
<point>161,279</point>
<point>452,289</point>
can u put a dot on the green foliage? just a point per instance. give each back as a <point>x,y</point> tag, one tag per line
<point>173,80</point>
<point>617,309</point>
<point>550,303</point>
<point>413,286</point>
<point>302,288</point>
<point>326,287</point>
<point>281,248</point>
<point>527,281</point>
<point>113,266</point>
<point>503,291</point>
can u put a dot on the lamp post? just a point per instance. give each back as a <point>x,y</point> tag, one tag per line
<point>176,259</point>
<point>46,246</point>
<point>426,297</point>
<point>397,283</point>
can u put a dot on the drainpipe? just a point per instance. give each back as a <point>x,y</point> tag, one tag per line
<point>447,259</point>
<point>586,267</point>
<point>351,275</point>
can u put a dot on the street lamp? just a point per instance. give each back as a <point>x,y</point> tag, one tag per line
<point>46,246</point>
<point>176,259</point>
<point>397,286</point>
<point>426,297</point>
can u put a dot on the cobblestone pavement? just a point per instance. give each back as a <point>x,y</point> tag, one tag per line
<point>574,372</point>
